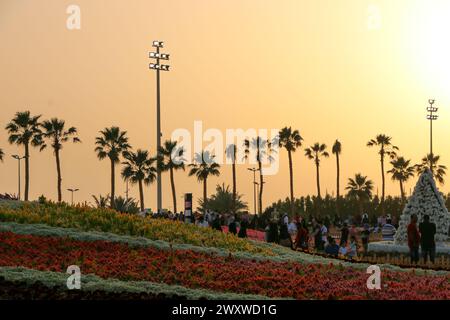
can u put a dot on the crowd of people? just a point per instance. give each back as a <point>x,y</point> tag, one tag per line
<point>348,240</point>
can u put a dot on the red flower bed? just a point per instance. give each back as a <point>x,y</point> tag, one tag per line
<point>198,270</point>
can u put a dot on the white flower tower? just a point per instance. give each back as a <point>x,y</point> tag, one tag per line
<point>426,199</point>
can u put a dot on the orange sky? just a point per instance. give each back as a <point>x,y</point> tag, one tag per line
<point>321,66</point>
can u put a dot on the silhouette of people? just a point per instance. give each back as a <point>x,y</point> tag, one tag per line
<point>427,231</point>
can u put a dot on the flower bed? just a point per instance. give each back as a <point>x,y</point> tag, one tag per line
<point>203,271</point>
<point>105,220</point>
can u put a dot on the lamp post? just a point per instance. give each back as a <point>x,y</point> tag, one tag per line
<point>254,187</point>
<point>72,191</point>
<point>18,158</point>
<point>432,116</point>
<point>158,67</point>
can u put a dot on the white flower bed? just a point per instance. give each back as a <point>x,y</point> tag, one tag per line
<point>392,247</point>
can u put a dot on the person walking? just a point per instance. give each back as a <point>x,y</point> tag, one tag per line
<point>344,234</point>
<point>365,235</point>
<point>427,231</point>
<point>318,243</point>
<point>413,239</point>
<point>302,236</point>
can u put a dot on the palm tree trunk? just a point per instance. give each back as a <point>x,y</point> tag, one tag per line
<point>233,167</point>
<point>205,195</point>
<point>113,179</point>
<point>58,171</point>
<point>402,191</point>
<point>338,194</point>
<point>382,184</point>
<point>261,187</point>
<point>291,181</point>
<point>27,171</point>
<point>141,196</point>
<point>337,176</point>
<point>318,180</point>
<point>174,196</point>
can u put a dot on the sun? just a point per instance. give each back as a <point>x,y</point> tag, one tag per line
<point>429,46</point>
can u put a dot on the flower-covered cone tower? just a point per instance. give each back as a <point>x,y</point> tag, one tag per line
<point>426,199</point>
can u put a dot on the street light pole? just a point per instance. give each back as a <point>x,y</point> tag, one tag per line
<point>18,158</point>
<point>72,191</point>
<point>254,187</point>
<point>432,116</point>
<point>157,66</point>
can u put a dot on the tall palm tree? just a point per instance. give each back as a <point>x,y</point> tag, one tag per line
<point>112,143</point>
<point>401,171</point>
<point>290,140</point>
<point>360,188</point>
<point>337,150</point>
<point>139,169</point>
<point>54,130</point>
<point>203,167</point>
<point>171,160</point>
<point>386,148</point>
<point>315,152</point>
<point>24,130</point>
<point>231,152</point>
<point>431,161</point>
<point>2,154</point>
<point>262,151</point>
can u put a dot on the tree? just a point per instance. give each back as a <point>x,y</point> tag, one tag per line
<point>222,201</point>
<point>290,140</point>
<point>101,201</point>
<point>231,152</point>
<point>54,130</point>
<point>386,148</point>
<point>360,188</point>
<point>431,161</point>
<point>315,152</point>
<point>203,167</point>
<point>24,130</point>
<point>2,154</point>
<point>112,143</point>
<point>126,205</point>
<point>401,171</point>
<point>262,149</point>
<point>337,150</point>
<point>138,169</point>
<point>171,159</point>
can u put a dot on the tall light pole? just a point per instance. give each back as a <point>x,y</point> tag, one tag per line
<point>72,190</point>
<point>254,186</point>
<point>158,67</point>
<point>18,158</point>
<point>432,116</point>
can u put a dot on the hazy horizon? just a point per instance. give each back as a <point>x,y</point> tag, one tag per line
<point>321,67</point>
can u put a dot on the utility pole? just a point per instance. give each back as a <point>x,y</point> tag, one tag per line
<point>432,116</point>
<point>72,191</point>
<point>18,158</point>
<point>254,187</point>
<point>158,67</point>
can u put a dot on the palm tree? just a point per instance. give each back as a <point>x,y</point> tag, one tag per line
<point>431,161</point>
<point>139,168</point>
<point>24,130</point>
<point>171,160</point>
<point>401,171</point>
<point>222,201</point>
<point>360,188</point>
<point>386,149</point>
<point>337,150</point>
<point>231,152</point>
<point>203,167</point>
<point>1,155</point>
<point>112,143</point>
<point>263,149</point>
<point>55,131</point>
<point>101,201</point>
<point>290,140</point>
<point>315,152</point>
